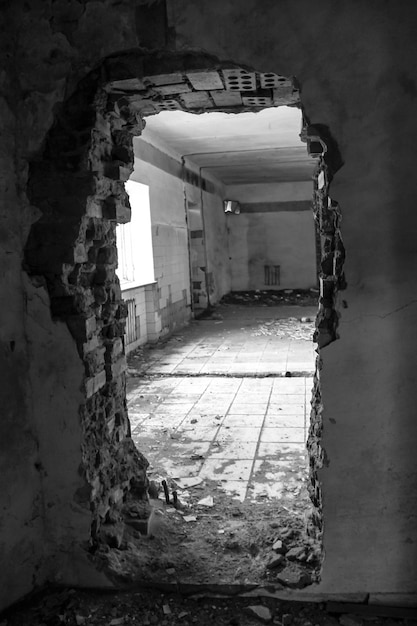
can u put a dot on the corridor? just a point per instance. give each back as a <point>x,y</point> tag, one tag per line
<point>221,411</point>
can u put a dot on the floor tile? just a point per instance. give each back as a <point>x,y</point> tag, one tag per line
<point>229,409</point>
<point>175,467</point>
<point>233,449</point>
<point>275,479</point>
<point>226,469</point>
<point>285,398</point>
<point>245,409</point>
<point>286,435</point>
<point>235,488</point>
<point>279,449</point>
<point>168,421</point>
<point>284,421</point>
<point>286,409</point>
<point>199,433</point>
<point>254,421</point>
<point>238,433</point>
<point>188,448</point>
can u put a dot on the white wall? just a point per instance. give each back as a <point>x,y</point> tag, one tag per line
<point>271,192</point>
<point>284,238</point>
<point>167,303</point>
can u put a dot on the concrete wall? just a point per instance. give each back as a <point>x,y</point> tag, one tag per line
<point>271,231</point>
<point>171,294</point>
<point>216,235</point>
<point>200,236</point>
<point>363,88</point>
<point>283,238</point>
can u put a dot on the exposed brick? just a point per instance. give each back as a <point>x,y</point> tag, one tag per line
<point>114,370</point>
<point>95,383</point>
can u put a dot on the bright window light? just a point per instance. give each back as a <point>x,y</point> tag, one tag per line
<point>134,240</point>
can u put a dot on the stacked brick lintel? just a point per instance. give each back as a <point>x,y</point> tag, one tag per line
<point>78,183</point>
<point>327,216</point>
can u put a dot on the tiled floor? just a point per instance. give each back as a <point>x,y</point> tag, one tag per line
<point>214,402</point>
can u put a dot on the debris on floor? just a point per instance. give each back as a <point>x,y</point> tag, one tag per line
<point>289,328</point>
<point>228,460</point>
<point>272,297</point>
<point>151,607</point>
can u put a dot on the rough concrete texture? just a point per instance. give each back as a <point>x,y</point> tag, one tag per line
<point>360,87</point>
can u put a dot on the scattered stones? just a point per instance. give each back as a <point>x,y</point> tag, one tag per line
<point>262,613</point>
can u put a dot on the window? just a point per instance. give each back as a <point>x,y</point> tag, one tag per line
<point>134,240</point>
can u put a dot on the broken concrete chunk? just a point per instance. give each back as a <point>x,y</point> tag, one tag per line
<point>279,547</point>
<point>262,613</point>
<point>188,481</point>
<point>170,571</point>
<point>189,518</point>
<point>294,578</point>
<point>207,501</point>
<point>296,554</point>
<point>276,561</point>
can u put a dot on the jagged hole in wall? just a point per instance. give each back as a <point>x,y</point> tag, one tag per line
<point>78,184</point>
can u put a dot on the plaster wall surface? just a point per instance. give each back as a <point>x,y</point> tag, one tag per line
<point>270,192</point>
<point>170,249</point>
<point>363,89</point>
<point>367,376</point>
<point>216,241</point>
<point>284,238</point>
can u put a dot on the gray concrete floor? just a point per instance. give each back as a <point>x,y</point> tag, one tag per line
<point>214,403</point>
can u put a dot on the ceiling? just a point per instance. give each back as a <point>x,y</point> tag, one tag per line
<point>236,148</point>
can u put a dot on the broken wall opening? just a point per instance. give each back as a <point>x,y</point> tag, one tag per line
<point>159,413</point>
<point>77,183</point>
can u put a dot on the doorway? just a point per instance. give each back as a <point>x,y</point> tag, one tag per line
<point>221,408</point>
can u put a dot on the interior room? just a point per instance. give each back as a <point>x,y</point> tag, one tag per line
<point>316,203</point>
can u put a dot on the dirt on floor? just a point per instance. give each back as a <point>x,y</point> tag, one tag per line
<point>272,297</point>
<point>203,536</point>
<point>200,534</point>
<point>146,607</point>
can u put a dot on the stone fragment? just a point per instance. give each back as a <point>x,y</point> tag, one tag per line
<point>296,554</point>
<point>207,501</point>
<point>294,578</point>
<point>188,481</point>
<point>279,547</point>
<point>262,613</point>
<point>275,562</point>
<point>286,533</point>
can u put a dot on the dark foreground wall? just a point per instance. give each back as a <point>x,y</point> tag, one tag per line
<point>355,62</point>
